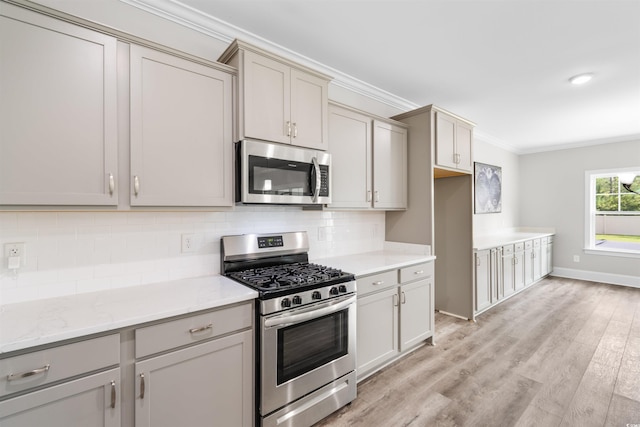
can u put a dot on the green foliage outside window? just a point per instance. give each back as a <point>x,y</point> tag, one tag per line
<point>613,197</point>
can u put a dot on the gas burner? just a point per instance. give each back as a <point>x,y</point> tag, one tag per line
<point>286,276</point>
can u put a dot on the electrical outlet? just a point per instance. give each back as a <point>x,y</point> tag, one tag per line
<point>16,250</point>
<point>188,243</point>
<point>576,258</point>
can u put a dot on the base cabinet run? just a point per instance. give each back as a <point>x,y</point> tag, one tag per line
<point>211,380</point>
<point>395,314</point>
<point>85,386</point>
<point>505,270</point>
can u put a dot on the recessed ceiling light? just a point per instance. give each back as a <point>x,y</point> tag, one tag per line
<point>581,79</point>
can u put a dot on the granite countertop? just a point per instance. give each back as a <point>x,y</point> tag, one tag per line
<point>394,255</point>
<point>29,324</point>
<point>506,238</point>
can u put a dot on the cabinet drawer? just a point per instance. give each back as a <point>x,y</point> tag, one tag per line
<point>54,364</point>
<point>507,249</point>
<point>376,282</point>
<point>519,247</point>
<point>415,272</point>
<point>536,243</point>
<point>528,244</point>
<point>193,329</point>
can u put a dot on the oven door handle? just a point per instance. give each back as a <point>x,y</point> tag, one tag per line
<point>312,313</point>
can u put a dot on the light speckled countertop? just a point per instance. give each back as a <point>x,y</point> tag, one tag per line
<point>506,238</point>
<point>34,323</point>
<point>394,255</point>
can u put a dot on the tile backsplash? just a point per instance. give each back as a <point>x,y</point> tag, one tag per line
<point>77,252</point>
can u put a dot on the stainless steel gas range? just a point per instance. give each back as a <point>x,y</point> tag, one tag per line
<point>306,314</point>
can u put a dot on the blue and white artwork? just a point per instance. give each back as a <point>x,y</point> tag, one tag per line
<point>488,188</point>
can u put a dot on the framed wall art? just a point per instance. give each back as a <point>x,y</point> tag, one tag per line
<point>488,188</point>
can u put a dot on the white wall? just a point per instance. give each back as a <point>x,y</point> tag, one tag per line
<point>552,194</point>
<point>77,252</point>
<point>488,153</point>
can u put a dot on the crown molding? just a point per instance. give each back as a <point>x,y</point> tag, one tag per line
<point>218,29</point>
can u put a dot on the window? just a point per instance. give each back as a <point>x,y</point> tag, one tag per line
<point>613,212</point>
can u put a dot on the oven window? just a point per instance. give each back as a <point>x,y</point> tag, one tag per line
<point>279,177</point>
<point>306,346</point>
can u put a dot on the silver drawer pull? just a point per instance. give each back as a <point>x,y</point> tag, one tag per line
<point>112,184</point>
<point>136,185</point>
<point>378,283</point>
<point>113,394</point>
<point>142,386</point>
<point>203,328</point>
<point>418,272</point>
<point>12,377</point>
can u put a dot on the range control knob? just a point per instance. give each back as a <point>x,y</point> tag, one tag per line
<point>333,291</point>
<point>285,303</point>
<point>342,288</point>
<point>316,295</point>
<point>297,300</point>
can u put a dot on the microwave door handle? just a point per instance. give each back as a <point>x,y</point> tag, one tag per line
<point>318,179</point>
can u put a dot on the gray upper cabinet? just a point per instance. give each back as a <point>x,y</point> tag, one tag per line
<point>453,138</point>
<point>368,160</point>
<point>58,117</point>
<point>181,131</point>
<point>279,100</point>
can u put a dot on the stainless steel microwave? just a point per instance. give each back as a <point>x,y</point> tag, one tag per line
<point>281,174</point>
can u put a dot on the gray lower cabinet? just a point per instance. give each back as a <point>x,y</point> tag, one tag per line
<point>210,381</point>
<point>505,270</point>
<point>395,314</point>
<point>59,386</point>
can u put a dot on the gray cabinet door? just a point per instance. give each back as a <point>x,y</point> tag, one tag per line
<point>212,381</point>
<point>309,116</point>
<point>483,280</point>
<point>377,330</point>
<point>350,135</point>
<point>415,313</point>
<point>267,99</point>
<point>92,401</point>
<point>389,166</point>
<point>181,132</point>
<point>58,118</point>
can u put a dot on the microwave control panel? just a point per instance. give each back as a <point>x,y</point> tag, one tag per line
<point>324,181</point>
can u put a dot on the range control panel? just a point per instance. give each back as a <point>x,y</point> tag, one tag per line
<point>270,242</point>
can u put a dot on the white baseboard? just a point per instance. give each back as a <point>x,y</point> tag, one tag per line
<point>597,276</point>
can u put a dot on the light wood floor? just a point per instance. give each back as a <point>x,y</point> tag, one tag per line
<point>562,353</point>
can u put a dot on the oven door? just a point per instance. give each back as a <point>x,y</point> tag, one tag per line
<point>305,349</point>
<point>278,174</point>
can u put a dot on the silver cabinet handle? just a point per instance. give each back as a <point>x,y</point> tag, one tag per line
<point>112,184</point>
<point>378,283</point>
<point>200,329</point>
<point>404,297</point>
<point>142,386</point>
<point>136,185</point>
<point>377,195</point>
<point>368,195</point>
<point>295,130</point>
<point>418,272</point>
<point>478,262</point>
<point>288,128</point>
<point>113,394</point>
<point>12,377</point>
<point>395,300</point>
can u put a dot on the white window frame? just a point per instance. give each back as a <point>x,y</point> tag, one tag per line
<point>590,214</point>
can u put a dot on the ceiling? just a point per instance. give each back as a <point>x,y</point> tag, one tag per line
<point>502,64</point>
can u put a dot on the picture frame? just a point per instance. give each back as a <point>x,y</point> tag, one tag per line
<point>488,188</point>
